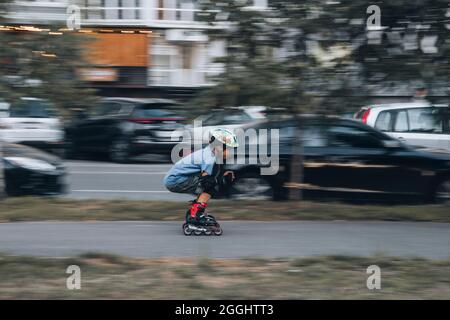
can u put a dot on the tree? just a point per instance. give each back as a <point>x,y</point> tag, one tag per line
<point>43,63</point>
<point>333,53</point>
<point>251,75</point>
<point>352,48</point>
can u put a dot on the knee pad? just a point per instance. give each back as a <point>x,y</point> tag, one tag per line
<point>208,184</point>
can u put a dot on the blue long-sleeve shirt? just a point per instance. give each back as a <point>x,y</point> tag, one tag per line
<point>195,163</point>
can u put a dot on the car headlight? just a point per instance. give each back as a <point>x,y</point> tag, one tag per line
<point>31,164</point>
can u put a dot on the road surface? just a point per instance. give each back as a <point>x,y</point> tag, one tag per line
<point>240,239</point>
<point>105,180</point>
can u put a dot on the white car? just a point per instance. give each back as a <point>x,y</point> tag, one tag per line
<point>229,118</point>
<point>33,122</point>
<point>418,124</point>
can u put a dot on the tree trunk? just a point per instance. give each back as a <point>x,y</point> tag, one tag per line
<point>296,177</point>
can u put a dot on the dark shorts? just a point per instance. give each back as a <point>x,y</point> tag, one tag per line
<point>191,186</point>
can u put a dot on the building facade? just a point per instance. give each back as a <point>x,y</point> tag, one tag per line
<point>142,44</point>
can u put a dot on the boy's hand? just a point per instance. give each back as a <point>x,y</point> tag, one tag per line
<point>229,173</point>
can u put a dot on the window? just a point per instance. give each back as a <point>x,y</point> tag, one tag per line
<point>227,118</point>
<point>446,117</point>
<point>352,137</point>
<point>213,120</point>
<point>32,109</point>
<point>260,3</point>
<point>314,136</point>
<point>401,122</point>
<point>236,118</point>
<point>186,56</point>
<point>425,120</point>
<point>383,122</point>
<point>106,109</point>
<point>152,111</point>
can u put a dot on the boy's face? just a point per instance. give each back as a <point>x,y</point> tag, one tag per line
<point>221,152</point>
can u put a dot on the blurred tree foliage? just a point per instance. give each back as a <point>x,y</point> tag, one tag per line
<point>327,55</point>
<point>43,65</point>
<point>251,75</point>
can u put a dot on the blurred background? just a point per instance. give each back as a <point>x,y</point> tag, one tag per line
<point>96,94</point>
<point>113,80</point>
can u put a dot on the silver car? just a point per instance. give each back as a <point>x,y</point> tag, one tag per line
<point>418,124</point>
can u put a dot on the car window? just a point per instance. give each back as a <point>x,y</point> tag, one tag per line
<point>383,122</point>
<point>401,122</point>
<point>213,120</point>
<point>32,109</point>
<point>352,137</point>
<point>153,111</point>
<point>314,136</point>
<point>238,117</point>
<point>425,120</point>
<point>105,109</point>
<point>446,117</point>
<point>4,109</point>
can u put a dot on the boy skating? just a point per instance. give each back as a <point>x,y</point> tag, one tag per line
<point>201,173</point>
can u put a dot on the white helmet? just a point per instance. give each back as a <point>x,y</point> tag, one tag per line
<point>224,136</point>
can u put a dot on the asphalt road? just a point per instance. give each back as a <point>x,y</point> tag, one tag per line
<point>105,180</point>
<point>240,239</point>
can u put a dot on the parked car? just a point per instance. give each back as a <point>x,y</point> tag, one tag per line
<point>126,127</point>
<point>29,171</point>
<point>416,124</point>
<point>345,159</point>
<point>33,122</point>
<point>228,118</point>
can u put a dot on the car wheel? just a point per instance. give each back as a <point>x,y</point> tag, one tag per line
<point>119,151</point>
<point>442,193</point>
<point>70,151</point>
<point>251,187</point>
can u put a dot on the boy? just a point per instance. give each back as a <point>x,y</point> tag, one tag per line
<point>201,173</point>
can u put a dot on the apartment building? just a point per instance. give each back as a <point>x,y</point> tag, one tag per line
<point>141,44</point>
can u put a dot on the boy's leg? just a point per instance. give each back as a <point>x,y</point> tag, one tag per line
<point>204,197</point>
<point>205,185</point>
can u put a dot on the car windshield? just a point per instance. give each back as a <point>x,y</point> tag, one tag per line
<point>32,109</point>
<point>154,111</point>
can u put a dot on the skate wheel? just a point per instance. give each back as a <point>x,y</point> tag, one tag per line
<point>184,225</point>
<point>218,231</point>
<point>186,230</point>
<point>208,233</point>
<point>198,233</point>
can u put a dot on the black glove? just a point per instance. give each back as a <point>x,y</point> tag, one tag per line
<point>227,180</point>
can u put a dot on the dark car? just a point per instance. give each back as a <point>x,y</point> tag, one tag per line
<point>124,128</point>
<point>29,171</point>
<point>346,159</point>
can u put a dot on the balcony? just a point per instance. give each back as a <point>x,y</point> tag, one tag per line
<point>141,13</point>
<point>115,13</point>
<point>38,12</point>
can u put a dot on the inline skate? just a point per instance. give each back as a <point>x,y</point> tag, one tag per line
<point>201,223</point>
